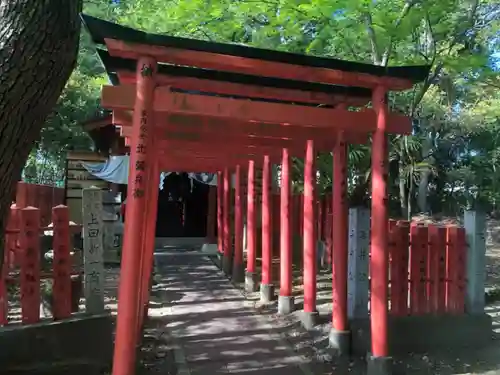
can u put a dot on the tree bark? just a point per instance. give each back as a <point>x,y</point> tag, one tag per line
<point>38,50</point>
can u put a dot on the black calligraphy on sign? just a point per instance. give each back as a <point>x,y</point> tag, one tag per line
<point>138,180</point>
<point>93,219</point>
<point>94,247</point>
<point>94,233</point>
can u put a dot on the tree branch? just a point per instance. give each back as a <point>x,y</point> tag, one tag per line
<point>404,12</point>
<point>372,37</point>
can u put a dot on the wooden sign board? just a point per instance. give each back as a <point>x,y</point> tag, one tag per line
<point>78,178</point>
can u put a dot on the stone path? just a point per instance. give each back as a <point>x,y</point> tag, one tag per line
<point>213,328</point>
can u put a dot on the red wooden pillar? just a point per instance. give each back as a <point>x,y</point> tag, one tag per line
<point>250,277</point>
<point>220,230</point>
<point>128,296</point>
<point>22,195</point>
<point>379,261</point>
<point>286,302</point>
<point>62,263</point>
<point>339,335</point>
<point>266,285</point>
<point>212,206</point>
<point>310,313</point>
<point>149,237</point>
<point>30,264</point>
<point>226,261</point>
<point>238,267</point>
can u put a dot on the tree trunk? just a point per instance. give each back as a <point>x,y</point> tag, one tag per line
<point>38,50</point>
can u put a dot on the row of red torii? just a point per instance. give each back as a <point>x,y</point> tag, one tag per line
<point>174,125</point>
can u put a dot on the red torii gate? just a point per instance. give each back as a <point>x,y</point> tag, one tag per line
<point>190,105</point>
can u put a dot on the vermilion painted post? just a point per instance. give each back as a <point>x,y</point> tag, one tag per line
<point>226,260</point>
<point>418,269</point>
<point>266,287</point>
<point>238,268</point>
<point>30,266</point>
<point>128,296</point>
<point>250,278</point>
<point>220,231</point>
<point>212,206</point>
<point>22,195</point>
<point>455,301</point>
<point>285,302</point>
<point>442,284</point>
<point>11,237</point>
<point>339,335</point>
<point>62,263</point>
<point>12,255</point>
<point>399,254</point>
<point>310,313</point>
<point>149,238</point>
<point>379,254</point>
<point>437,253</point>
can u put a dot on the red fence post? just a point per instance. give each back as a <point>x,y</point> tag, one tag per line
<point>399,254</point>
<point>61,290</point>
<point>30,265</point>
<point>22,194</point>
<point>418,268</point>
<point>455,270</point>
<point>436,268</point>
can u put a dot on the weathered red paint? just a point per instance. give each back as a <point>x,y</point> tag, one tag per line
<point>267,255</point>
<point>455,293</point>
<point>220,231</point>
<point>149,237</point>
<point>340,236</point>
<point>225,212</point>
<point>251,235</point>
<point>238,219</point>
<point>437,251</point>
<point>399,256</point>
<point>285,224</point>
<point>379,227</point>
<point>309,230</point>
<point>62,263</point>
<point>30,264</point>
<point>129,297</point>
<point>418,268</point>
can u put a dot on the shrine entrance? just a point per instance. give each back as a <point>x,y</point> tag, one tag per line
<point>197,106</point>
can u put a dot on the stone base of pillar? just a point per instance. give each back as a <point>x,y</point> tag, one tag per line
<point>238,274</point>
<point>226,264</point>
<point>286,305</point>
<point>340,342</point>
<point>309,319</point>
<point>266,293</point>
<point>251,282</point>
<point>378,365</point>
